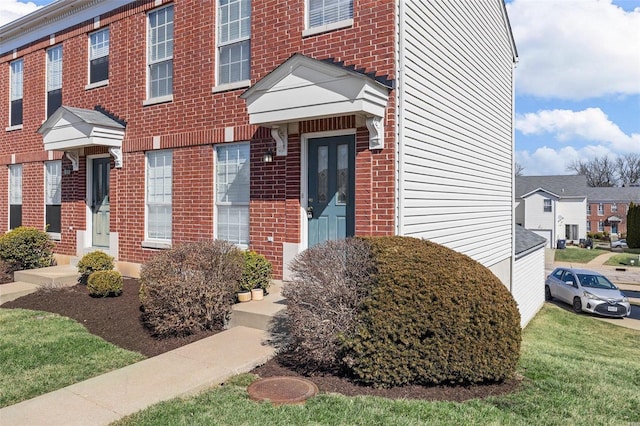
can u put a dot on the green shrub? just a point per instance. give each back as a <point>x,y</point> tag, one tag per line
<point>26,248</point>
<point>190,287</point>
<point>93,262</point>
<point>105,283</point>
<point>327,287</point>
<point>434,316</point>
<point>256,272</point>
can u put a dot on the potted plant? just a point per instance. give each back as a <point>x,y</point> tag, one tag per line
<point>256,275</point>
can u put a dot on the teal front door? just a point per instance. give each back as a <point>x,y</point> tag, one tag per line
<point>331,187</point>
<point>100,202</point>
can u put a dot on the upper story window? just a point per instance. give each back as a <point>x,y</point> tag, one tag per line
<point>15,97</point>
<point>99,56</point>
<point>160,53</point>
<point>614,208</point>
<point>329,13</point>
<point>547,206</point>
<point>54,79</point>
<point>234,45</point>
<point>588,209</point>
<point>600,209</point>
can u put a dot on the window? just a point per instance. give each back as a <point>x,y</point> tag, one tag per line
<point>53,195</point>
<point>547,205</point>
<point>160,54</point>
<point>15,196</point>
<point>325,12</point>
<point>614,208</point>
<point>54,79</point>
<point>600,226</point>
<point>159,181</point>
<point>15,97</point>
<point>234,33</point>
<point>571,232</point>
<point>588,209</point>
<point>588,226</point>
<point>99,56</point>
<point>600,209</point>
<point>232,193</point>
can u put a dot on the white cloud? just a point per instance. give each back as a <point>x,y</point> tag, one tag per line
<point>590,125</point>
<point>549,161</point>
<point>576,49</point>
<point>11,10</point>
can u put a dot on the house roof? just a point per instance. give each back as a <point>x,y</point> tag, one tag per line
<point>614,194</point>
<point>563,186</point>
<point>527,241</point>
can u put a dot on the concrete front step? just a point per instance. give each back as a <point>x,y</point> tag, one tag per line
<point>12,291</point>
<point>259,313</point>
<point>51,277</point>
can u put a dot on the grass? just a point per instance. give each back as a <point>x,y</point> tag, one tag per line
<point>577,255</point>
<point>577,370</point>
<point>623,259</point>
<point>41,352</point>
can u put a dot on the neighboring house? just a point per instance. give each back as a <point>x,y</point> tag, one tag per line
<point>529,273</point>
<point>553,207</point>
<point>607,209</point>
<point>134,126</point>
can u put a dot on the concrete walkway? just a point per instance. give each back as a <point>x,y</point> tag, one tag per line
<point>181,372</point>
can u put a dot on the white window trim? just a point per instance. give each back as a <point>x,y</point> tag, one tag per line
<point>158,99</point>
<point>234,84</point>
<point>11,74</point>
<point>326,28</point>
<point>12,128</point>
<point>96,84</point>
<point>215,200</point>
<point>148,242</point>
<point>101,82</point>
<point>231,86</point>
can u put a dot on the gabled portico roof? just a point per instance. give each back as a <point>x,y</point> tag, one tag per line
<point>303,88</point>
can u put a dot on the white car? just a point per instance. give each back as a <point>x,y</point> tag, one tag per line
<point>587,291</point>
<point>619,244</point>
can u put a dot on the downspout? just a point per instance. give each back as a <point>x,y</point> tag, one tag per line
<point>400,26</point>
<point>513,176</point>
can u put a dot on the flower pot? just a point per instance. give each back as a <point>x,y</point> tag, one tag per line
<point>244,296</point>
<point>257,294</point>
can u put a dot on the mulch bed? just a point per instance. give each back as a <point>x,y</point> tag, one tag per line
<point>117,320</point>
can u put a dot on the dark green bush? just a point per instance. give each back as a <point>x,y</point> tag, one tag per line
<point>329,283</point>
<point>434,316</point>
<point>190,287</point>
<point>92,262</point>
<point>256,272</point>
<point>26,248</point>
<point>105,283</point>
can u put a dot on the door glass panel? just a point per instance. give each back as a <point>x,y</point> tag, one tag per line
<point>323,173</point>
<point>343,174</point>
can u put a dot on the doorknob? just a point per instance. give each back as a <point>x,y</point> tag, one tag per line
<point>309,212</point>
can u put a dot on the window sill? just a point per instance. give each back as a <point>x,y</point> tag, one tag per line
<point>158,100</point>
<point>12,128</point>
<point>156,244</point>
<point>231,86</point>
<point>96,85</point>
<point>329,27</point>
<point>55,236</point>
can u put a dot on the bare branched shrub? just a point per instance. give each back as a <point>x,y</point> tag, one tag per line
<point>329,283</point>
<point>190,287</point>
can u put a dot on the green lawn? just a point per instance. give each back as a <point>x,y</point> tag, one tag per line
<point>624,259</point>
<point>577,370</point>
<point>577,254</point>
<point>41,352</point>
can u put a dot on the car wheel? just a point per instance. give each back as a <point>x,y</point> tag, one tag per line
<point>577,305</point>
<point>547,293</point>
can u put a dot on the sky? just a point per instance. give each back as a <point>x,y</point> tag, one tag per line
<point>577,79</point>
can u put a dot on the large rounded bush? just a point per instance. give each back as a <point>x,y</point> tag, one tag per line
<point>329,283</point>
<point>256,272</point>
<point>190,287</point>
<point>92,262</point>
<point>26,248</point>
<point>434,316</point>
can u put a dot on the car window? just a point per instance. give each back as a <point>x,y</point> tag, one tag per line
<point>569,278</point>
<point>558,274</point>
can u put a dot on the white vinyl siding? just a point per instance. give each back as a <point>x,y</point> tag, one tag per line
<point>234,45</point>
<point>232,193</point>
<point>159,195</point>
<point>528,285</point>
<point>160,53</point>
<point>456,175</point>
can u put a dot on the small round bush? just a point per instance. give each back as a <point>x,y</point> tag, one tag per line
<point>256,272</point>
<point>105,283</point>
<point>26,248</point>
<point>92,262</point>
<point>329,283</point>
<point>434,316</point>
<point>190,287</point>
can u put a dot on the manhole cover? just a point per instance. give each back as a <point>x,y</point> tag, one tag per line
<point>282,390</point>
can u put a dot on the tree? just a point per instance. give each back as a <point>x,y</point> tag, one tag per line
<point>628,169</point>
<point>633,226</point>
<point>518,169</point>
<point>600,171</point>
